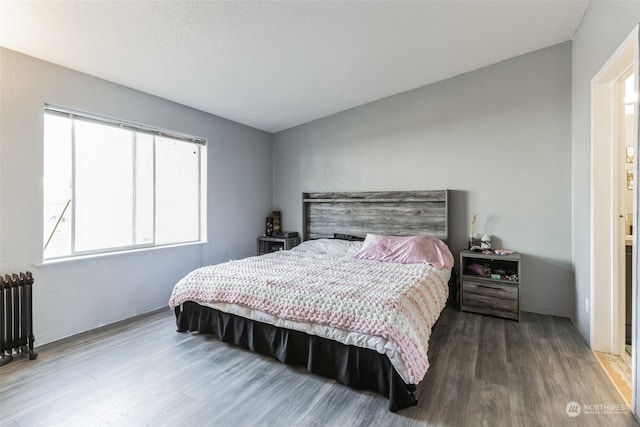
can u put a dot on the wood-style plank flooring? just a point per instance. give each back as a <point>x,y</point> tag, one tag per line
<point>484,371</point>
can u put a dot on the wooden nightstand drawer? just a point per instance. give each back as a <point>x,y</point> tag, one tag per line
<point>497,299</point>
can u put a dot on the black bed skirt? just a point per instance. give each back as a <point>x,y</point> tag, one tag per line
<point>353,366</point>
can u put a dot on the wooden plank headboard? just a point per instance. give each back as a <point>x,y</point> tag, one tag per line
<point>394,213</point>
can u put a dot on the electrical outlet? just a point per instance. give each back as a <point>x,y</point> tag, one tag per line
<point>586,305</point>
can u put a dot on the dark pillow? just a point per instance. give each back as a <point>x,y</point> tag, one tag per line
<point>348,237</point>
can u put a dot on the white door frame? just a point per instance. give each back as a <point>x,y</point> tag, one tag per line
<point>607,238</point>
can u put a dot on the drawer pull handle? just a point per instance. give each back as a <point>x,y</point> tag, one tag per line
<point>490,287</point>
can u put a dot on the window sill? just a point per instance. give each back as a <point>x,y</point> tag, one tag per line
<point>102,255</point>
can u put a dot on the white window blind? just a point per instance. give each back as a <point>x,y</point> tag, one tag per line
<point>112,185</point>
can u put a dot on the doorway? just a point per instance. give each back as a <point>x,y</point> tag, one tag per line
<point>614,211</point>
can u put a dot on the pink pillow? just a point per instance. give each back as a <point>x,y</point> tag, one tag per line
<point>406,250</point>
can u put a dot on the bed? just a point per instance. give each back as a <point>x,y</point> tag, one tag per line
<point>356,310</point>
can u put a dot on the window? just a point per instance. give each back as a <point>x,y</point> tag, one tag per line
<point>112,186</point>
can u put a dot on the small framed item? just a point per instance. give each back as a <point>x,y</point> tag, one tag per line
<point>629,155</point>
<point>629,179</point>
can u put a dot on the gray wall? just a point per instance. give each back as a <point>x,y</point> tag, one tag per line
<point>499,137</point>
<point>77,296</point>
<point>604,27</point>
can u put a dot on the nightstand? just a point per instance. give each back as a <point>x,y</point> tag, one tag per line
<point>490,284</point>
<point>273,244</point>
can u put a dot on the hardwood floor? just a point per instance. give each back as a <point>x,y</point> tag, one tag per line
<point>484,371</point>
<point>619,372</point>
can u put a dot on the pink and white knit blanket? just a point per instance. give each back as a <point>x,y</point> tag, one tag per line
<point>398,302</point>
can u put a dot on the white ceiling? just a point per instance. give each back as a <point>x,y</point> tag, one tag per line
<point>275,65</point>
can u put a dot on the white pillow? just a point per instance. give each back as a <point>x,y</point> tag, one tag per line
<point>330,247</point>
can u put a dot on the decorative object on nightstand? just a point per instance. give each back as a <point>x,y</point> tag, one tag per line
<point>485,242</point>
<point>277,220</point>
<point>490,283</point>
<point>268,244</point>
<point>473,240</point>
<point>268,230</point>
